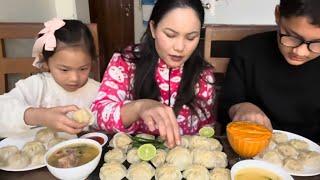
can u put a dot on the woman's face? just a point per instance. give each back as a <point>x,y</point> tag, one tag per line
<point>300,28</point>
<point>176,36</point>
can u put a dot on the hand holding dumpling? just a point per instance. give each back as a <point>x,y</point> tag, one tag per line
<point>55,118</point>
<point>83,116</point>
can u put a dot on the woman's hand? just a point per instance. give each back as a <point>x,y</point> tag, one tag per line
<point>159,116</point>
<point>55,118</point>
<point>249,112</point>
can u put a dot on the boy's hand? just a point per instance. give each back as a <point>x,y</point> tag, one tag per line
<point>249,112</point>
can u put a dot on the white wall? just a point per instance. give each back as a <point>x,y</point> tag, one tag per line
<point>43,10</point>
<point>241,12</point>
<point>83,12</point>
<point>26,11</point>
<point>226,12</point>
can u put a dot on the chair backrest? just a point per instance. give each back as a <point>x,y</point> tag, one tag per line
<point>23,65</point>
<point>220,39</point>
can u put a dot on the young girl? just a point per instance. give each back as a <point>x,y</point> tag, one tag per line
<point>163,86</point>
<point>65,48</point>
<point>277,84</point>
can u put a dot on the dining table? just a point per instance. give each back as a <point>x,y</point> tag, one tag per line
<point>44,174</point>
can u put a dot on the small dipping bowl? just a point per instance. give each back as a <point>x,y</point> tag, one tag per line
<point>97,136</point>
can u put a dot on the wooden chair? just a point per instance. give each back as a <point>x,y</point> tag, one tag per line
<point>23,65</point>
<point>218,44</point>
<point>220,39</point>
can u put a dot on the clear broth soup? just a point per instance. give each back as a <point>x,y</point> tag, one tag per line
<point>73,155</point>
<point>256,174</point>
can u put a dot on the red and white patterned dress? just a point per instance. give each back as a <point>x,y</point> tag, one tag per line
<point>116,90</point>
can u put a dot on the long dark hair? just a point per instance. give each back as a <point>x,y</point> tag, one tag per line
<point>308,8</point>
<point>73,33</point>
<point>146,58</point>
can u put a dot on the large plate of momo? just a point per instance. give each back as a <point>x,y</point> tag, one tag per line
<point>298,155</point>
<point>196,158</point>
<point>26,151</point>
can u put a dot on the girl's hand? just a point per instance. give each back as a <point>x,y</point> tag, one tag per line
<point>55,118</point>
<point>159,116</point>
<point>249,112</point>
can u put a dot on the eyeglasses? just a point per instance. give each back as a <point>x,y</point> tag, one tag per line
<point>291,41</point>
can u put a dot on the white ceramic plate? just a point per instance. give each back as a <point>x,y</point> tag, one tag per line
<point>96,134</point>
<point>259,164</point>
<point>20,140</point>
<point>312,146</point>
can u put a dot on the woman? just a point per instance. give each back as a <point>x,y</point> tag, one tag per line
<point>277,84</point>
<point>164,86</point>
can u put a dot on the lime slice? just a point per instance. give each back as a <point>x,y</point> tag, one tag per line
<point>146,152</point>
<point>206,131</point>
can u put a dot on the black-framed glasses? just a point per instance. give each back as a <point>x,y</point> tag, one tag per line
<point>291,41</point>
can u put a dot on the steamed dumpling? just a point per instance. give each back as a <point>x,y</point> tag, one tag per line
<point>160,158</point>
<point>196,172</point>
<point>180,157</point>
<point>7,151</point>
<point>112,171</point>
<point>18,161</point>
<point>292,164</point>
<point>55,141</point>
<point>310,159</point>
<point>37,159</point>
<point>140,171</point>
<point>121,140</point>
<point>203,157</point>
<point>185,141</point>
<point>220,174</point>
<point>273,157</point>
<point>45,135</point>
<point>209,159</point>
<point>83,116</point>
<point>115,155</point>
<point>199,142</point>
<point>299,144</point>
<point>33,148</point>
<point>279,137</point>
<point>168,171</point>
<point>287,150</point>
<point>132,156</point>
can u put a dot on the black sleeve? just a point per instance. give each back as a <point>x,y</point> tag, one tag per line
<point>234,89</point>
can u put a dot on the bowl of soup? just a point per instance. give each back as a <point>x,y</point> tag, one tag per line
<point>258,170</point>
<point>73,159</point>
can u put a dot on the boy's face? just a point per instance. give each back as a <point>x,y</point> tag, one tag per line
<point>300,29</point>
<point>70,68</point>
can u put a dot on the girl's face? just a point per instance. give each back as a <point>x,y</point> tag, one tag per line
<point>176,36</point>
<point>299,28</point>
<point>70,67</point>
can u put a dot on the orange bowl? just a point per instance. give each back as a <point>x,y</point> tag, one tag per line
<point>248,139</point>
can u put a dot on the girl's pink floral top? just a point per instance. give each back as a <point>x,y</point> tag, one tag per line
<point>115,91</point>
